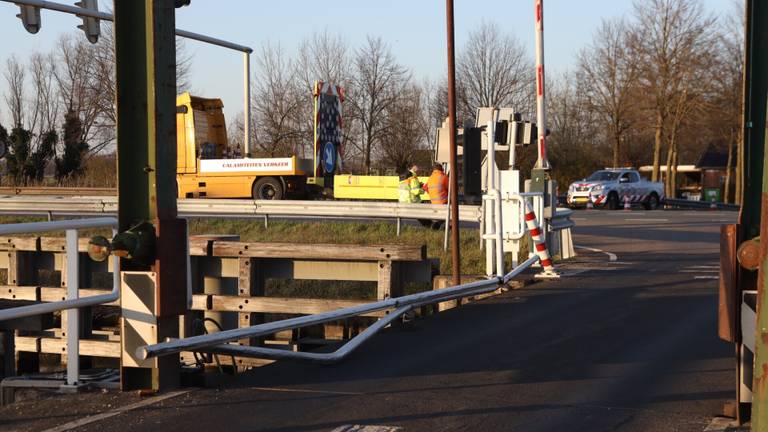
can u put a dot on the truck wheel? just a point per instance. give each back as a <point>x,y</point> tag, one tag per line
<point>613,201</point>
<point>267,188</point>
<point>652,203</point>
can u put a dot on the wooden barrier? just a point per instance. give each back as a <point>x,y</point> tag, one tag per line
<point>252,277</point>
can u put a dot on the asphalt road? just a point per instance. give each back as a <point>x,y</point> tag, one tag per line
<point>625,341</point>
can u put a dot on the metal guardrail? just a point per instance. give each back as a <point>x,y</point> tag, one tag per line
<point>681,203</point>
<point>56,191</point>
<point>73,301</point>
<point>196,207</point>
<point>217,342</point>
<point>562,219</point>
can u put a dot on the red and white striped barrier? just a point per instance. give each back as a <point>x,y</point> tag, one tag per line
<point>541,112</point>
<point>539,241</point>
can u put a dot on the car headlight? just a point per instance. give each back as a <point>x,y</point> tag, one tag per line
<point>598,188</point>
<point>572,188</point>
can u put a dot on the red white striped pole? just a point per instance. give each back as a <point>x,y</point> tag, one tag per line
<point>539,241</point>
<point>541,111</point>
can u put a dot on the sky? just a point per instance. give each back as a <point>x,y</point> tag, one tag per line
<point>414,30</point>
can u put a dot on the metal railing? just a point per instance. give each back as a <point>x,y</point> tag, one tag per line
<point>73,301</point>
<point>683,203</point>
<point>561,220</point>
<point>242,208</point>
<point>217,342</point>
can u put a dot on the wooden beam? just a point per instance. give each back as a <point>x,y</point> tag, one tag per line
<point>47,345</point>
<point>222,303</point>
<point>320,251</point>
<point>31,244</point>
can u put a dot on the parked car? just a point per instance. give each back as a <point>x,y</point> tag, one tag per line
<point>610,188</point>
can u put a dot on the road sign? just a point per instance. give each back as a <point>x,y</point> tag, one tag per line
<point>329,157</point>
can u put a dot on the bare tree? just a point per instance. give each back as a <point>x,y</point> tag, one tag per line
<point>277,98</point>
<point>668,36</point>
<point>45,107</point>
<point>576,145</point>
<point>103,85</point>
<point>404,129</point>
<point>15,78</point>
<point>374,89</point>
<point>727,76</point>
<point>493,70</point>
<point>607,73</point>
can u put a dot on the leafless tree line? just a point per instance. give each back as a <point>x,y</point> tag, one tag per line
<point>74,78</point>
<point>390,117</point>
<point>658,87</point>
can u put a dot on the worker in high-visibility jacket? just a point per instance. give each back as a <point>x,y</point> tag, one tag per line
<point>437,185</point>
<point>410,186</point>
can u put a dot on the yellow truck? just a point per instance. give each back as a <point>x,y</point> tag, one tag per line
<point>206,166</point>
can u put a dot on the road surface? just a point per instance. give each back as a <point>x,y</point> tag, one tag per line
<point>625,341</point>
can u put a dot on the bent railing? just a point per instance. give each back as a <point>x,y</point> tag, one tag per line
<point>217,342</point>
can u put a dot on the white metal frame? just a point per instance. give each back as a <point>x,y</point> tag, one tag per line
<point>73,302</point>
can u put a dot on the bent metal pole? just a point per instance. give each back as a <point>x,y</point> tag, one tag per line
<point>541,110</point>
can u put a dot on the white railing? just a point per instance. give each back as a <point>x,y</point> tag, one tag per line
<point>73,301</point>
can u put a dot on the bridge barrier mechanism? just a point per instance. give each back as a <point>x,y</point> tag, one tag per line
<point>217,342</point>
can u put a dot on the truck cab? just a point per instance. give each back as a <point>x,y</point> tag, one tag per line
<point>206,165</point>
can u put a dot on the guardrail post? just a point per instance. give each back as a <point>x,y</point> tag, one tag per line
<point>73,315</point>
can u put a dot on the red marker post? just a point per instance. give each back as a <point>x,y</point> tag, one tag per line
<point>541,112</point>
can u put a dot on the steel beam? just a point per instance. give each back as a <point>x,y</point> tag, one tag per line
<point>146,146</point>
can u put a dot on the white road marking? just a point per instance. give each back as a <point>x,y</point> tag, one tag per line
<point>366,428</point>
<point>98,417</point>
<point>646,220</point>
<point>699,271</point>
<point>611,256</point>
<point>290,390</point>
<point>706,277</point>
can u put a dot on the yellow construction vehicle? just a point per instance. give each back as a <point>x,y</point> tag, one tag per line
<point>208,167</point>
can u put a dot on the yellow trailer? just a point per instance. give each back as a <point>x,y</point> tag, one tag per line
<point>370,187</point>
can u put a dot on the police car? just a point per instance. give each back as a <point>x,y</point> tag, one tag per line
<point>612,187</point>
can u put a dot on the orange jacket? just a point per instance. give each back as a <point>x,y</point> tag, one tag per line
<point>437,187</point>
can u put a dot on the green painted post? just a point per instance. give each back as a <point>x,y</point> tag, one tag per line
<point>146,147</point>
<point>755,200</point>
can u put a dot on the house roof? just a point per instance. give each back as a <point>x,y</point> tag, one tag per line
<point>714,159</point>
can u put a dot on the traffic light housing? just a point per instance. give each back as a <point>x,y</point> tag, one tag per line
<point>90,26</point>
<point>30,17</point>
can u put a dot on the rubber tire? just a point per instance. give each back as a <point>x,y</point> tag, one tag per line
<point>613,201</point>
<point>267,188</point>
<point>652,203</point>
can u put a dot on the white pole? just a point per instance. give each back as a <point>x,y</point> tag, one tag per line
<point>541,112</point>
<point>73,315</point>
<point>247,103</point>
<point>490,208</point>
<point>448,216</point>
